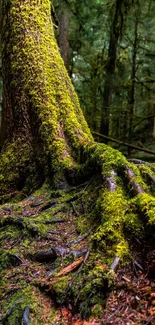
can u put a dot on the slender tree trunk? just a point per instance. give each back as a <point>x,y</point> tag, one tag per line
<point>110,67</point>
<point>63,38</point>
<point>133,81</point>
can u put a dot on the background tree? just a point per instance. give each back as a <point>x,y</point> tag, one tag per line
<point>89,38</point>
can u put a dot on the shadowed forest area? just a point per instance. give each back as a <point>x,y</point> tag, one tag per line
<point>77,162</point>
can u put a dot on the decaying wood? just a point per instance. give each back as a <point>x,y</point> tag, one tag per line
<point>50,255</point>
<point>70,268</point>
<point>45,256</point>
<point>115,264</point>
<point>25,316</point>
<point>79,270</point>
<point>130,175</point>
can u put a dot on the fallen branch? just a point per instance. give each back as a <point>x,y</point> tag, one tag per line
<point>125,143</point>
<point>138,161</point>
<point>79,270</point>
<point>78,240</point>
<point>70,268</point>
<point>37,204</point>
<point>115,264</point>
<point>59,210</point>
<point>73,198</point>
<point>50,255</point>
<point>78,253</point>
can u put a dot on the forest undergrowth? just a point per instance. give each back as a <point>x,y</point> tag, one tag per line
<point>52,272</point>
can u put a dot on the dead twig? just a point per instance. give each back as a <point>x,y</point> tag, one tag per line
<point>69,268</point>
<point>79,270</point>
<point>114,264</point>
<point>78,240</point>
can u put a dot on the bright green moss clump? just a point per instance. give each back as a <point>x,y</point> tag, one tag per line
<point>14,166</point>
<point>146,203</point>
<point>110,234</point>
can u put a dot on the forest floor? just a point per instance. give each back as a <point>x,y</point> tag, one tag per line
<point>40,223</point>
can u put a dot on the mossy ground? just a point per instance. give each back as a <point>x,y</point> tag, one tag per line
<point>114,224</point>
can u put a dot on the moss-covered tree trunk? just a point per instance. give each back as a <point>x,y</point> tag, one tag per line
<point>43,124</point>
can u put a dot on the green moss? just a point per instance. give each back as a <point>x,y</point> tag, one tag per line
<point>92,290</point>
<point>110,235</point>
<point>19,301</point>
<point>137,176</point>
<point>146,203</point>
<point>59,289</point>
<point>133,225</point>
<point>14,165</point>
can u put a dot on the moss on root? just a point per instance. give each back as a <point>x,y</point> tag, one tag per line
<point>114,220</point>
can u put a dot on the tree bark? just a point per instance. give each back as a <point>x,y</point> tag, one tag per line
<point>42,120</point>
<point>133,80</point>
<point>63,38</point>
<point>110,67</point>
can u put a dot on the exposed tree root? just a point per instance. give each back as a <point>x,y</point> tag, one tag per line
<point>25,317</point>
<point>111,228</point>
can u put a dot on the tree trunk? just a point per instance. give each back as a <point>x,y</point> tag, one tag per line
<point>133,80</point>
<point>42,120</point>
<point>63,38</point>
<point>110,67</point>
